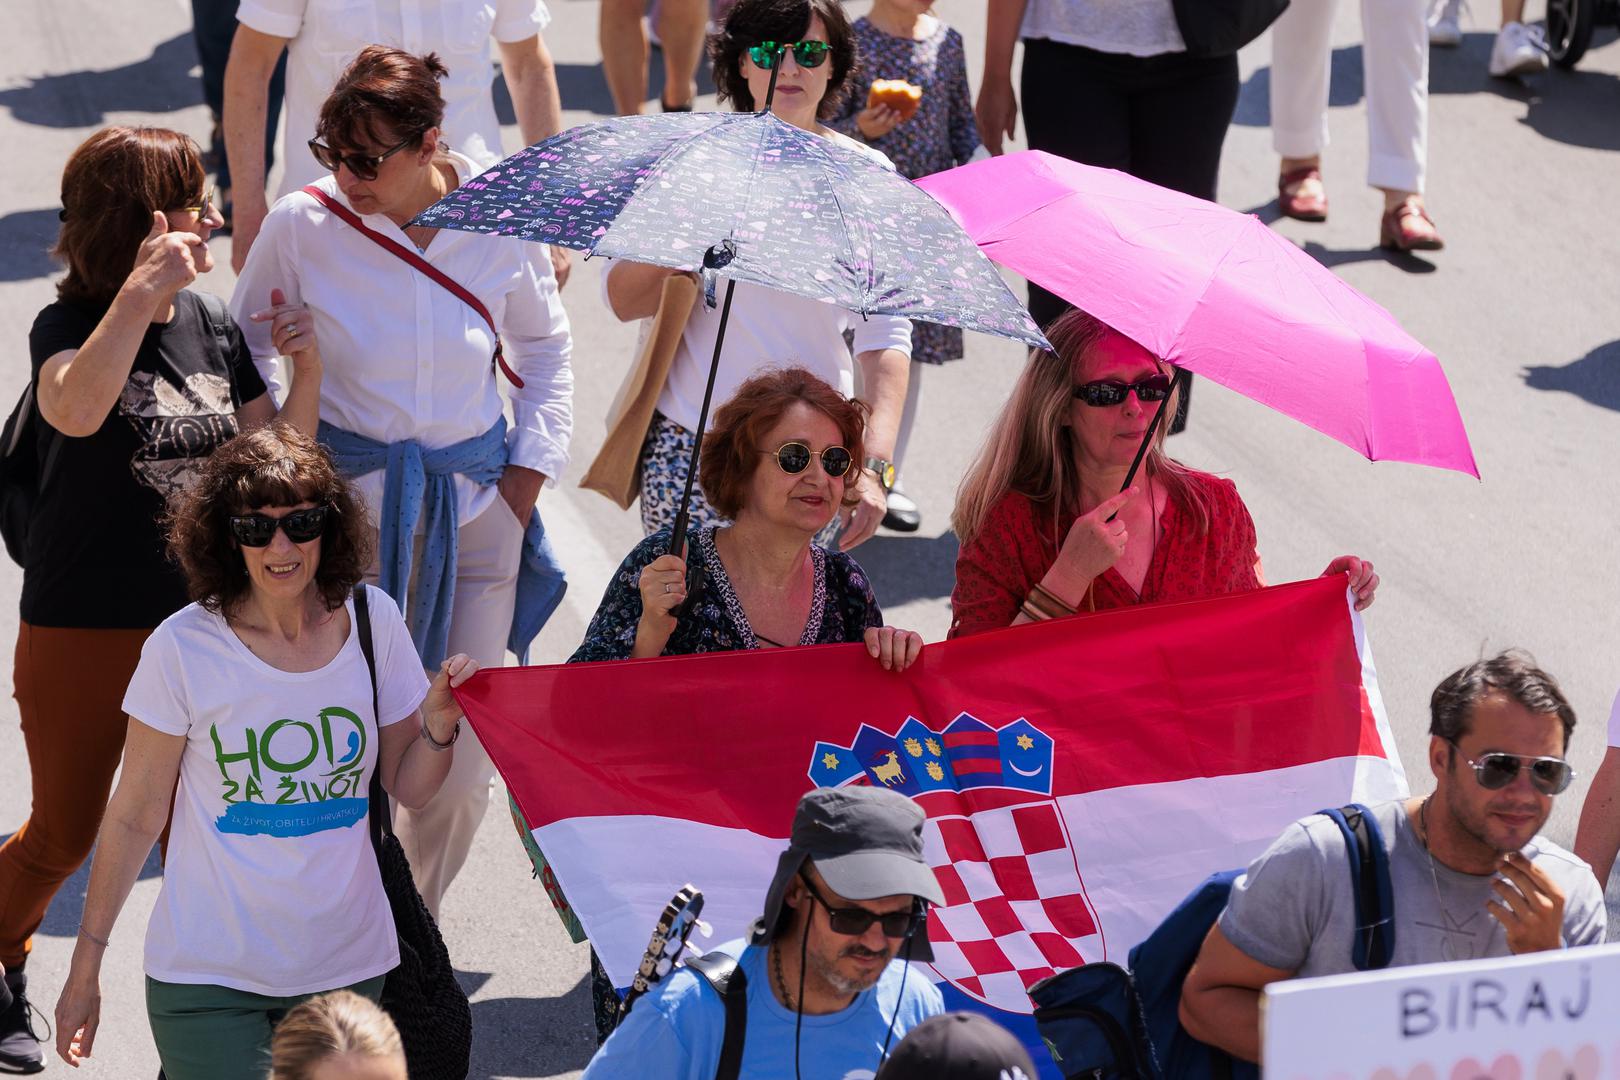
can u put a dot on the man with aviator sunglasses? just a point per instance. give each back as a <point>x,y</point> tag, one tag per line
<point>1470,875</point>
<point>825,971</point>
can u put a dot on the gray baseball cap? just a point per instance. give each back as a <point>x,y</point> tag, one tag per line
<point>866,843</point>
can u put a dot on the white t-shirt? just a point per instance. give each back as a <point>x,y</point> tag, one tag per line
<point>326,34</point>
<point>271,884</point>
<point>1614,722</point>
<point>1132,27</point>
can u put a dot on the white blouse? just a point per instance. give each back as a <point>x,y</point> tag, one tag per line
<point>405,358</point>
<point>1131,27</point>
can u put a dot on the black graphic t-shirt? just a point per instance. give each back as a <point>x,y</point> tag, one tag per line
<point>95,548</point>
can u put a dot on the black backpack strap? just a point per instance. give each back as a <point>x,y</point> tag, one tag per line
<point>720,971</point>
<point>380,824</point>
<point>1374,944</point>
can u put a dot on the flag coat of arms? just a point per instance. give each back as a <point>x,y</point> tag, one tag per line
<point>1080,777</point>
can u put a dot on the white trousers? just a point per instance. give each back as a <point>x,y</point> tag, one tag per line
<point>438,837</point>
<point>1395,65</point>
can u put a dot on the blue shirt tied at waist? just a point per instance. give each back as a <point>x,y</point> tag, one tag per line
<point>418,484</point>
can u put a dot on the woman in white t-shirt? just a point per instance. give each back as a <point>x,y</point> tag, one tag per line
<point>257,699</point>
<point>815,50</point>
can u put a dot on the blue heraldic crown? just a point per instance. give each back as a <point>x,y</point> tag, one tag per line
<point>916,759</point>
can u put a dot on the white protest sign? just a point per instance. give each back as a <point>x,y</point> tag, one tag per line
<point>1544,1016</point>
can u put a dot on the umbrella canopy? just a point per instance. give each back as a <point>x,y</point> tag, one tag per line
<point>1215,292</point>
<point>794,211</point>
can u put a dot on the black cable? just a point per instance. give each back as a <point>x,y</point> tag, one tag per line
<point>905,955</point>
<point>798,1002</point>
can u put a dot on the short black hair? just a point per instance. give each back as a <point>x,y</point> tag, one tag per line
<point>750,22</point>
<point>1513,672</point>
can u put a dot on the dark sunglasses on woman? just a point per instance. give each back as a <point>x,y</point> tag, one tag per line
<point>1106,392</point>
<point>202,208</point>
<point>301,526</point>
<point>855,921</point>
<point>1497,770</point>
<point>364,166</point>
<point>807,54</point>
<point>794,457</point>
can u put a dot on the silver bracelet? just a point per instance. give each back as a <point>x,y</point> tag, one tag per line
<point>103,942</point>
<point>435,743</point>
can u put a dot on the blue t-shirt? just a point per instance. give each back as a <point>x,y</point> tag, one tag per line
<point>674,1032</point>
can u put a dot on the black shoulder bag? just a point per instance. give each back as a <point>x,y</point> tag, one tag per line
<point>421,995</point>
<point>1222,27</point>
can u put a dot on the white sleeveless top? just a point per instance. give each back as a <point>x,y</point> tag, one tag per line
<point>1132,27</point>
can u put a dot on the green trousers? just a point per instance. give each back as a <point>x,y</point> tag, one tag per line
<point>206,1032</point>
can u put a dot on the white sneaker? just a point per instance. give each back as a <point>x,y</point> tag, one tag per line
<point>1445,27</point>
<point>1519,50</point>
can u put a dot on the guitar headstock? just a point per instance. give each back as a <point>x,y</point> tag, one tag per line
<point>669,937</point>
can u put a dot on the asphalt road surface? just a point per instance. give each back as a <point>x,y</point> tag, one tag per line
<point>1521,308</point>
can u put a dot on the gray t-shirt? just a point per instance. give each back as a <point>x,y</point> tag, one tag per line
<point>1294,909</point>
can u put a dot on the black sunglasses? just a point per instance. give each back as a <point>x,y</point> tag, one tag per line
<point>855,921</point>
<point>808,54</point>
<point>1497,770</point>
<point>364,166</point>
<point>1106,392</point>
<point>202,208</point>
<point>794,457</point>
<point>301,526</point>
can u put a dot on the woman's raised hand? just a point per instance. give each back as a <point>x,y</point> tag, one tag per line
<point>292,329</point>
<point>1362,579</point>
<point>663,589</point>
<point>1094,543</point>
<point>168,261</point>
<point>440,710</point>
<point>892,647</point>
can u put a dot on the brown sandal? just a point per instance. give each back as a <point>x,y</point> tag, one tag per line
<point>1297,206</point>
<point>1408,227</point>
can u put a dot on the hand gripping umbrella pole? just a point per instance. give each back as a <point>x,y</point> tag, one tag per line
<point>715,259</point>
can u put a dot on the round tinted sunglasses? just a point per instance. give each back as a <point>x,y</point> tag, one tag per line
<point>364,166</point>
<point>794,457</point>
<point>1106,392</point>
<point>807,54</point>
<point>855,921</point>
<point>1497,770</point>
<point>301,526</point>
<point>202,208</point>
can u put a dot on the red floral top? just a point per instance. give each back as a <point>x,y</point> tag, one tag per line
<point>1019,543</point>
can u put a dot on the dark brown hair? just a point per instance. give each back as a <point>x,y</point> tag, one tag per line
<point>752,21</point>
<point>1515,674</point>
<point>275,465</point>
<point>731,448</point>
<point>111,186</point>
<point>383,97</point>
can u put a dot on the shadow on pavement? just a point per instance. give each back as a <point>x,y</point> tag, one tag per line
<point>161,83</point>
<point>903,569</point>
<point>67,906</point>
<point>1595,377</point>
<point>1573,107</point>
<point>26,237</point>
<point>1400,260</point>
<point>584,88</point>
<point>508,1030</point>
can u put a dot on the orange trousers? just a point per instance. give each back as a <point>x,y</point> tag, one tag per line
<point>70,691</point>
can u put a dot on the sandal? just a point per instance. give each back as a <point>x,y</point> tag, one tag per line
<point>1301,207</point>
<point>1408,227</point>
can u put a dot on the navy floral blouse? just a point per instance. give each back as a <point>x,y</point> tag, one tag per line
<point>842,605</point>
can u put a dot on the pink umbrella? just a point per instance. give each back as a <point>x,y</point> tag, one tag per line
<point>1215,292</point>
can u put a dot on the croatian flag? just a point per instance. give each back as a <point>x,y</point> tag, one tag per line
<point>1080,777</point>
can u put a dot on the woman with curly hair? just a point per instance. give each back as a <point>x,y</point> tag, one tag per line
<point>257,701</point>
<point>811,48</point>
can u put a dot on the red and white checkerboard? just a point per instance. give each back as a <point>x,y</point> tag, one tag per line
<point>1015,908</point>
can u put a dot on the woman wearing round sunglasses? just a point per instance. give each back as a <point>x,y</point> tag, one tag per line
<point>1033,514</point>
<point>136,379</point>
<point>809,46</point>
<point>258,700</point>
<point>777,463</point>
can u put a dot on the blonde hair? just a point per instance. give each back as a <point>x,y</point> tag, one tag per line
<point>338,1024</point>
<point>1030,447</point>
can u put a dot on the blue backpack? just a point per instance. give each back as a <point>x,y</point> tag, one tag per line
<point>1103,1022</point>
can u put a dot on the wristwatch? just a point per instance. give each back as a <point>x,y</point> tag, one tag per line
<point>884,470</point>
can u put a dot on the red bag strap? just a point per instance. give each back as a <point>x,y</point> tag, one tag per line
<point>439,276</point>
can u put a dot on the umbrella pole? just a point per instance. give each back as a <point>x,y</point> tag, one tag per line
<point>1147,439</point>
<point>677,542</point>
<point>770,91</point>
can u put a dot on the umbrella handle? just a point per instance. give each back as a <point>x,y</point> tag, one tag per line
<point>1147,439</point>
<point>677,542</point>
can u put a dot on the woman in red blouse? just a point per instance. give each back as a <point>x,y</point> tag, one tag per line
<point>1032,514</point>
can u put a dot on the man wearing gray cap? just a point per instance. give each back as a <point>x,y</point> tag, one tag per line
<point>821,987</point>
